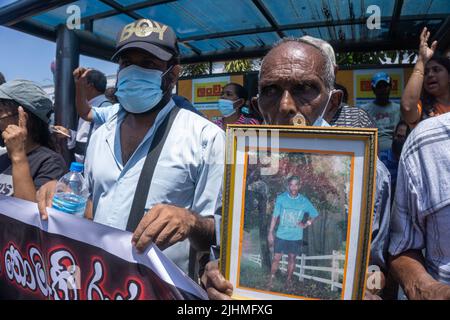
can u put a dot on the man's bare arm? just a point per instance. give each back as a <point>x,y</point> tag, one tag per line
<point>203,233</point>
<point>409,271</point>
<point>84,110</point>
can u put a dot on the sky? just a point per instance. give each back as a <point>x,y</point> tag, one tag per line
<point>27,57</point>
<point>23,56</point>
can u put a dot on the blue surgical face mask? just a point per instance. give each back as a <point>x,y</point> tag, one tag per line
<point>245,110</point>
<point>320,121</point>
<point>139,89</point>
<point>226,107</point>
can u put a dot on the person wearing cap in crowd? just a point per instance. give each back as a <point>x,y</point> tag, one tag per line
<point>130,36</point>
<point>93,91</point>
<point>185,189</point>
<point>231,103</point>
<point>303,91</point>
<point>30,162</point>
<point>384,112</point>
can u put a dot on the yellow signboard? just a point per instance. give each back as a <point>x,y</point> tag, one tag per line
<point>208,90</point>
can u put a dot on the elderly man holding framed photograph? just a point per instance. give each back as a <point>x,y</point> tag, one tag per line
<point>296,86</point>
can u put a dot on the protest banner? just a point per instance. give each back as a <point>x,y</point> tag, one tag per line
<point>70,258</point>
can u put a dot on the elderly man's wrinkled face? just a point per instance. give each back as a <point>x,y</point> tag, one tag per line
<point>291,82</point>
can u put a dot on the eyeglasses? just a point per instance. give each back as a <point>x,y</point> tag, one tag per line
<point>11,115</point>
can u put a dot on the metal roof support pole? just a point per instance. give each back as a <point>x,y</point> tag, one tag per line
<point>67,60</point>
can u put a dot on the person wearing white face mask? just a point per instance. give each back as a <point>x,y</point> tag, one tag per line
<point>295,88</point>
<point>153,169</point>
<point>230,105</point>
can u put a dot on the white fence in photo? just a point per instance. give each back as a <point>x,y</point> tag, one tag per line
<point>301,267</point>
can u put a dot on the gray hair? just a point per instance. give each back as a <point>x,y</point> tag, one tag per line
<point>326,51</point>
<point>324,46</point>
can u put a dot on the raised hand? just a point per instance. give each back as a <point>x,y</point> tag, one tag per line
<point>81,93</point>
<point>15,137</point>
<point>80,77</point>
<point>426,52</point>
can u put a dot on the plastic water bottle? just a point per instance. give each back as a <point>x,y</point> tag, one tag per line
<point>71,191</point>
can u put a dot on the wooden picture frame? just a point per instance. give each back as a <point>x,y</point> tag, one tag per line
<point>334,170</point>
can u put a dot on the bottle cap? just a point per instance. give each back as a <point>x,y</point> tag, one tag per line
<point>77,167</point>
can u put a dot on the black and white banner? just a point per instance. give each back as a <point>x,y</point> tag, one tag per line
<point>68,258</point>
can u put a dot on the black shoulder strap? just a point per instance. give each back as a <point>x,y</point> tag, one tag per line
<point>145,178</point>
<point>81,147</point>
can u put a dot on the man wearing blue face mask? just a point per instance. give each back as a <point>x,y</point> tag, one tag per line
<point>147,139</point>
<point>231,103</point>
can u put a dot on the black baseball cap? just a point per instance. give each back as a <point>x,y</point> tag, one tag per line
<point>154,37</point>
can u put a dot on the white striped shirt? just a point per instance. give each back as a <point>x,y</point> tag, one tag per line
<point>421,212</point>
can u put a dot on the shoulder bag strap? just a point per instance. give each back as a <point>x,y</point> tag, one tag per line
<point>145,178</point>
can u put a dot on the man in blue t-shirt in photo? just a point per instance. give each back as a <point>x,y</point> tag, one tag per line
<point>294,212</point>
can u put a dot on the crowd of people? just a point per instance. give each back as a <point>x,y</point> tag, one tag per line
<point>134,143</point>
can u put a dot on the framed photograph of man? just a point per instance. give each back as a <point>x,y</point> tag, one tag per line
<point>297,211</point>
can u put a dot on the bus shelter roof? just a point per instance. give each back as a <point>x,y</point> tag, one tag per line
<point>212,30</point>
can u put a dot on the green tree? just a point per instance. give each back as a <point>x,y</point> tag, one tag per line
<point>375,57</point>
<point>197,69</point>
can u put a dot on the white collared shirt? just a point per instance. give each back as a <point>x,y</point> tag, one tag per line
<point>189,172</point>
